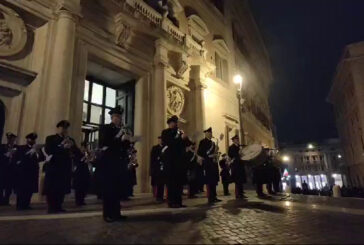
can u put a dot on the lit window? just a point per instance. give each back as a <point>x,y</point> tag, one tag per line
<point>84,112</point>
<point>96,107</point>
<point>96,113</point>
<point>97,94</point>
<point>110,97</point>
<point>86,90</point>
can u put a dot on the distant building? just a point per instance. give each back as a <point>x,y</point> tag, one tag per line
<point>316,164</point>
<point>347,96</point>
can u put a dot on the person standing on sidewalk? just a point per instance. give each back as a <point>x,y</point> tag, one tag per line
<point>157,171</point>
<point>61,148</point>
<point>114,143</point>
<point>173,152</point>
<point>237,167</point>
<point>207,151</point>
<point>81,175</point>
<point>26,160</point>
<point>6,168</point>
<point>225,174</point>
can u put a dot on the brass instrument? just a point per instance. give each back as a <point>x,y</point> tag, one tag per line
<point>217,153</point>
<point>67,143</point>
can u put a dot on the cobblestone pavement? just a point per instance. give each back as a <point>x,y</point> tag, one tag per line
<point>251,221</point>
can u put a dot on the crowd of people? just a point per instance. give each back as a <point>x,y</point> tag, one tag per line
<point>175,162</point>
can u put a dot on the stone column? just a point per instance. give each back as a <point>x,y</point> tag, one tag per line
<point>58,88</point>
<point>159,86</point>
<point>197,91</point>
<point>142,128</point>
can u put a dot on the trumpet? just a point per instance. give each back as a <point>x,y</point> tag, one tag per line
<point>66,143</point>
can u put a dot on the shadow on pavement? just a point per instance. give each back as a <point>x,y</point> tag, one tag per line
<point>234,207</point>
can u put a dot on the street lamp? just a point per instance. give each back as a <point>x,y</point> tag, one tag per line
<point>238,80</point>
<point>285,158</point>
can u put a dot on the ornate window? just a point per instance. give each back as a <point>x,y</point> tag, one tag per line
<point>221,68</point>
<point>221,63</point>
<point>97,102</point>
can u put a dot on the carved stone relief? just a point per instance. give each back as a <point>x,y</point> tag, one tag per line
<point>13,34</point>
<point>175,100</point>
<point>122,33</point>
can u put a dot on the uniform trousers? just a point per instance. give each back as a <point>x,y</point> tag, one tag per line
<point>55,201</point>
<point>226,188</point>
<point>159,192</point>
<point>175,193</point>
<point>5,193</point>
<point>111,205</point>
<point>239,189</point>
<point>23,199</point>
<point>211,192</point>
<point>80,197</point>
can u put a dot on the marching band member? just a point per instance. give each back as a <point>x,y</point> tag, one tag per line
<point>132,166</point>
<point>6,168</point>
<point>157,171</point>
<point>58,170</point>
<point>81,174</point>
<point>114,142</point>
<point>191,163</point>
<point>27,159</point>
<point>207,150</point>
<point>237,167</point>
<point>225,173</point>
<point>172,155</point>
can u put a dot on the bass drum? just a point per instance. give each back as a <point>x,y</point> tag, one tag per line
<point>253,154</point>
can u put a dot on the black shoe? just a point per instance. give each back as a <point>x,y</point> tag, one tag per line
<point>122,217</point>
<point>217,200</point>
<point>50,211</point>
<point>174,205</point>
<point>62,210</point>
<point>183,206</point>
<point>109,220</point>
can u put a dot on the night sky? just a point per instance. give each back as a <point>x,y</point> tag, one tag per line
<point>305,40</point>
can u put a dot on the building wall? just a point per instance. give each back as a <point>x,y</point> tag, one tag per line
<point>64,37</point>
<point>346,95</point>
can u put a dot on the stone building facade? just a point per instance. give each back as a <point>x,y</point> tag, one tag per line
<point>347,97</point>
<point>75,59</point>
<point>317,164</point>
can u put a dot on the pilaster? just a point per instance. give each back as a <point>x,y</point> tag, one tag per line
<point>60,71</point>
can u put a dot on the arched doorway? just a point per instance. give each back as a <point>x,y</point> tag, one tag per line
<point>2,119</point>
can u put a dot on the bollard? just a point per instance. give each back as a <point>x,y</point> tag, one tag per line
<point>336,191</point>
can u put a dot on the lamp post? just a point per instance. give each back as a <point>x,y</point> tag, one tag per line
<point>238,80</point>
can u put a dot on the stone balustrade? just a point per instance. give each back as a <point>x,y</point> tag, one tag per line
<point>164,23</point>
<point>147,11</point>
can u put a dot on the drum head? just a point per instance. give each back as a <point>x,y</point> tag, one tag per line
<point>251,152</point>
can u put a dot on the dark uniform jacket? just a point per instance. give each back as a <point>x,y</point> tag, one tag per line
<point>172,156</point>
<point>58,171</point>
<point>225,171</point>
<point>7,166</point>
<point>27,169</point>
<point>113,162</point>
<point>206,148</point>
<point>157,168</point>
<point>237,165</point>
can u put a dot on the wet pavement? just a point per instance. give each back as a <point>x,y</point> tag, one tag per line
<point>280,220</point>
